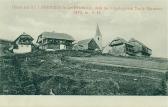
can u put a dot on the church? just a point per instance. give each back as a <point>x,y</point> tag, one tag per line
<point>94,43</point>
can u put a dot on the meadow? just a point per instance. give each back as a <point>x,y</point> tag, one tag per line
<point>81,73</point>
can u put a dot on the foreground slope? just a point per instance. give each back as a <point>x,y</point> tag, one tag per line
<point>81,73</point>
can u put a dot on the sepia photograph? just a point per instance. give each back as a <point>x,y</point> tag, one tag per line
<point>83,47</point>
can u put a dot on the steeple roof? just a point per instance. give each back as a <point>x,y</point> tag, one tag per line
<point>98,30</point>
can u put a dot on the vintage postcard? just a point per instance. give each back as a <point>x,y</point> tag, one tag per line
<point>84,50</point>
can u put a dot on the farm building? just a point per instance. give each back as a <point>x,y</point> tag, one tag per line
<point>139,48</point>
<point>4,46</point>
<point>92,43</point>
<point>51,41</point>
<point>119,47</point>
<point>23,44</point>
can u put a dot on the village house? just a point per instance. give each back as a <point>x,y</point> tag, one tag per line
<point>4,46</point>
<point>139,48</point>
<point>51,41</point>
<point>23,44</point>
<point>119,47</point>
<point>94,43</point>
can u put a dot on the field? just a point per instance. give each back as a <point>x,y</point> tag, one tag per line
<point>149,64</point>
<point>82,73</point>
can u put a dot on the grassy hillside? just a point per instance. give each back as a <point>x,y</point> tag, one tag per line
<point>156,65</point>
<point>41,72</point>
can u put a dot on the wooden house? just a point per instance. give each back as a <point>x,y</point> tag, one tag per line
<point>119,47</point>
<point>139,48</point>
<point>23,44</point>
<point>94,43</point>
<point>51,41</point>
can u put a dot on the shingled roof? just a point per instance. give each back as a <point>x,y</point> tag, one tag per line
<point>54,35</point>
<point>134,40</point>
<point>84,42</point>
<point>24,35</point>
<point>117,41</point>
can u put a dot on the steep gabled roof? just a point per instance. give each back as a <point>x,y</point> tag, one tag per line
<point>84,42</point>
<point>24,35</point>
<point>54,35</point>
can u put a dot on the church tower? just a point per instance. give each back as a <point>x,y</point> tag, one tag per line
<point>98,37</point>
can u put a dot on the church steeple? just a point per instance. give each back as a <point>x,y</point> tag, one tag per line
<point>98,30</point>
<point>98,37</point>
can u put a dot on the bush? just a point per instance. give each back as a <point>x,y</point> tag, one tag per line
<point>67,86</point>
<point>101,87</point>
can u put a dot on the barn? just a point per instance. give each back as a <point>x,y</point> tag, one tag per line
<point>119,47</point>
<point>23,44</point>
<point>51,41</point>
<point>139,48</point>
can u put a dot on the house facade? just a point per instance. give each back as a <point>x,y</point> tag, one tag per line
<point>23,44</point>
<point>51,41</point>
<point>139,48</point>
<point>119,47</point>
<point>94,43</point>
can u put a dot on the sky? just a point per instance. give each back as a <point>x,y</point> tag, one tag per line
<point>144,20</point>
